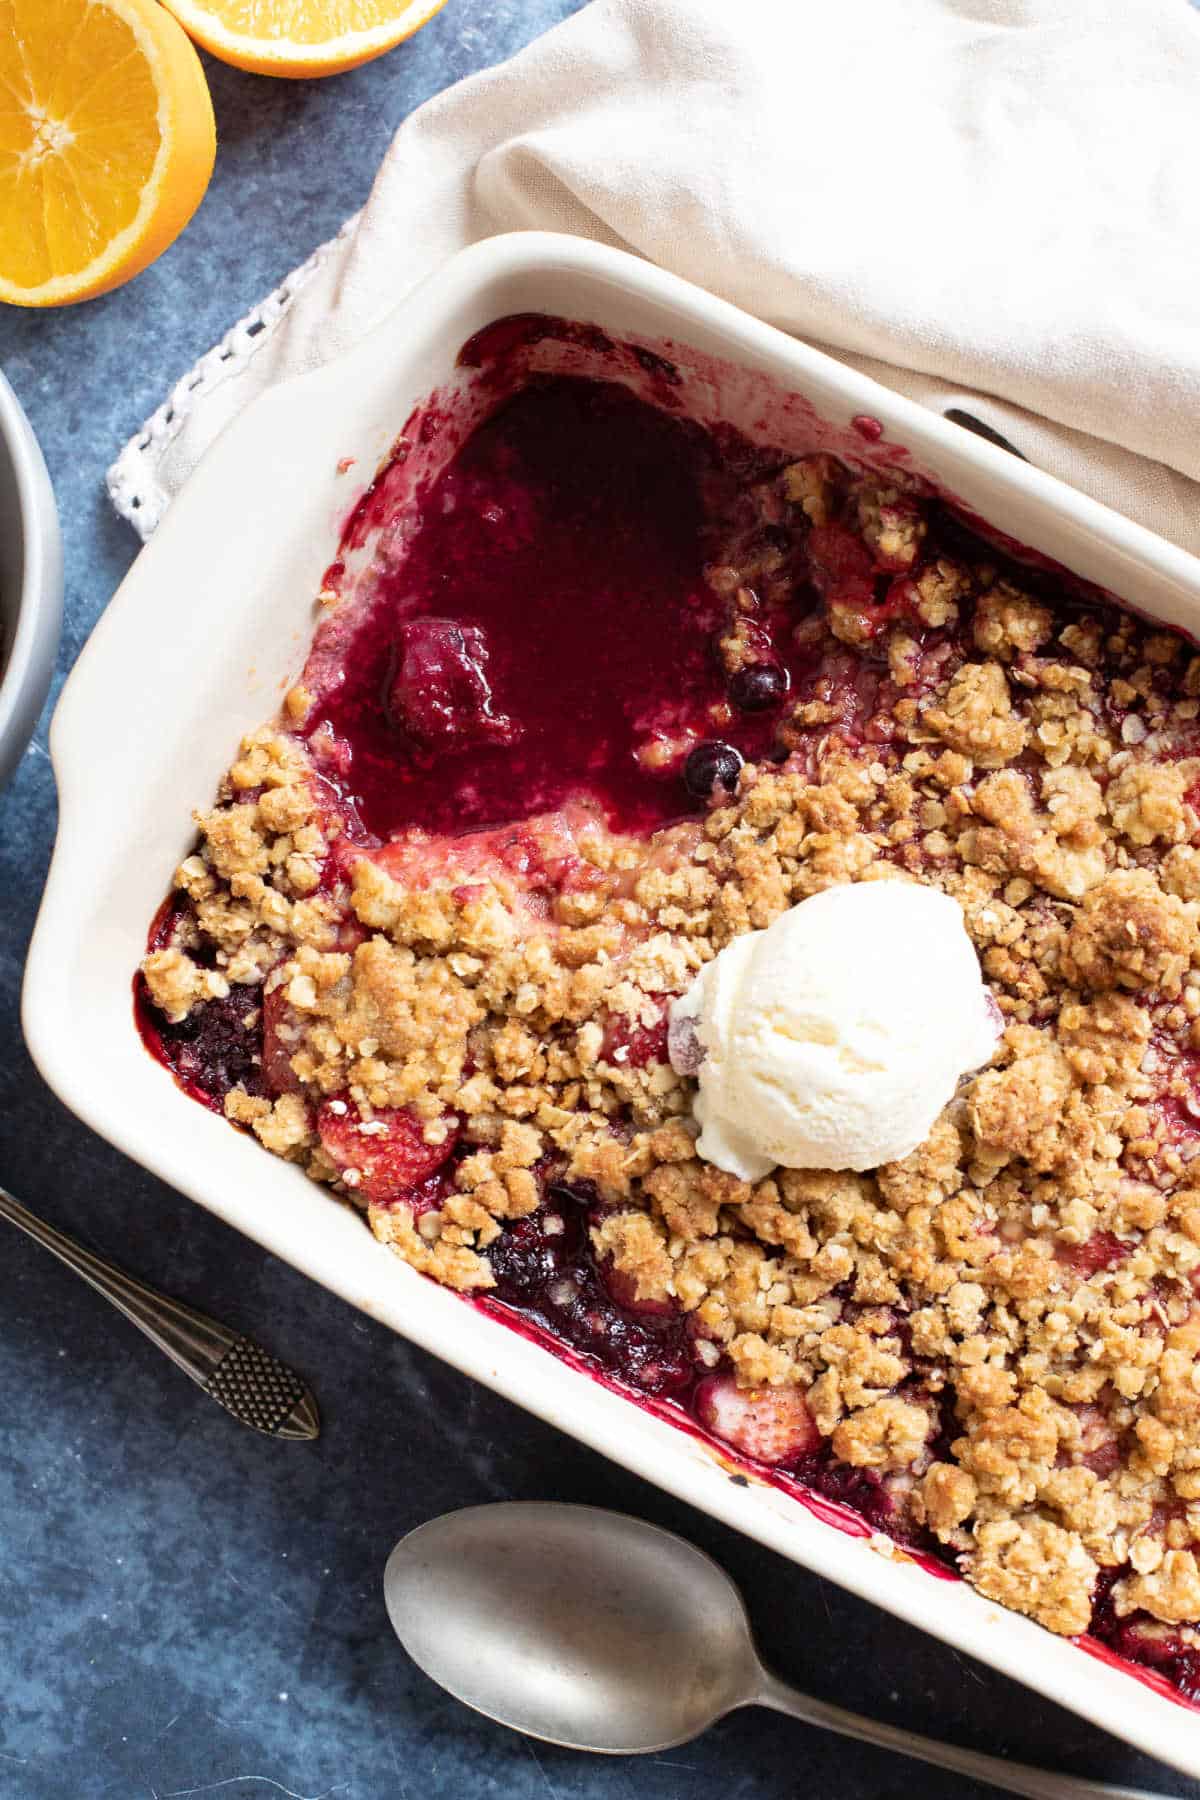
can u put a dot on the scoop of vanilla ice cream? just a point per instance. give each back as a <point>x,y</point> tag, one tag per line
<point>834,1039</point>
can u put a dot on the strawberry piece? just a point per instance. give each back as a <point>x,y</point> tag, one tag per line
<point>1104,1460</point>
<point>772,1425</point>
<point>1145,1640</point>
<point>382,1158</point>
<point>281,1040</point>
<point>571,873</point>
<point>634,1046</point>
<point>842,566</point>
<point>1099,1448</point>
<point>1102,1250</point>
<point>623,1288</point>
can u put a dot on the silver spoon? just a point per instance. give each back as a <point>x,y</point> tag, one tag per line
<point>599,1632</point>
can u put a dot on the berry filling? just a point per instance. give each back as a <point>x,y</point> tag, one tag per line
<point>553,617</point>
<point>544,1270</point>
<point>627,685</point>
<point>216,1048</point>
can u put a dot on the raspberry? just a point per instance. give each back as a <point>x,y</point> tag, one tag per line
<point>441,694</point>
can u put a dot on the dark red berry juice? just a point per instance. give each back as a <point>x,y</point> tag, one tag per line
<point>550,615</point>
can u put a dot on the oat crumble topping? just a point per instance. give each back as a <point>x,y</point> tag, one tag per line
<point>999,1333</point>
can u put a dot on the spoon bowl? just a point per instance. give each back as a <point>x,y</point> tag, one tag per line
<point>599,1632</point>
<point>575,1625</point>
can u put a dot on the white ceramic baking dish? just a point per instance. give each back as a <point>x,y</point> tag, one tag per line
<point>195,649</point>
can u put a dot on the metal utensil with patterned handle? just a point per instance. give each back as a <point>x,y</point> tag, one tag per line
<point>237,1373</point>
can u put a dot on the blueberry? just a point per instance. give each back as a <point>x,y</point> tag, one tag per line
<point>758,687</point>
<point>710,764</point>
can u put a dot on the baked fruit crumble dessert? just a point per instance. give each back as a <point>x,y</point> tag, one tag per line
<point>625,688</point>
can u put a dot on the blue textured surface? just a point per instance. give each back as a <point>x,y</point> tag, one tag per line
<point>185,1608</point>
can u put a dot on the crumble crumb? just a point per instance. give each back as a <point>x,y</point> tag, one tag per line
<point>1009,624</point>
<point>177,984</point>
<point>1128,933</point>
<point>1035,1567</point>
<point>1170,1591</point>
<point>976,716</point>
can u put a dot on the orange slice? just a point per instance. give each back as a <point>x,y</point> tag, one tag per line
<point>301,37</point>
<point>106,144</point>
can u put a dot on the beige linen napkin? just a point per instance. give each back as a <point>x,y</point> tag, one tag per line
<point>991,204</point>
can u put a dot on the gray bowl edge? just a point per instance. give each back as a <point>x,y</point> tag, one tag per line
<point>31,580</point>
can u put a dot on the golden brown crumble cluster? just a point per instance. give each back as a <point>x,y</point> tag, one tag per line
<point>1029,1274</point>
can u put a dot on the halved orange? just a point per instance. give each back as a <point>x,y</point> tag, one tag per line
<point>301,37</point>
<point>107,143</point>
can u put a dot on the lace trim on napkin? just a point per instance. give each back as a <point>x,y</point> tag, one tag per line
<point>133,484</point>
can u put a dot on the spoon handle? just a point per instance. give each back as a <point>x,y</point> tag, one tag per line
<point>233,1370</point>
<point>1009,1777</point>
